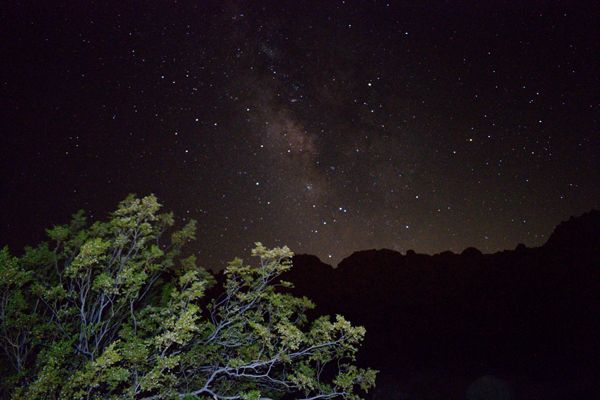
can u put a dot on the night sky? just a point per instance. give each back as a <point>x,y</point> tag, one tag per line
<point>329,126</point>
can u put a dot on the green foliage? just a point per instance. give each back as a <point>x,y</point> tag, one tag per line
<point>112,310</point>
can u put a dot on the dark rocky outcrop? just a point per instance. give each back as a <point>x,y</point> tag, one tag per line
<point>530,313</point>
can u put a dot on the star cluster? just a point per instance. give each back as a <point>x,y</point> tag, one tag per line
<point>327,126</point>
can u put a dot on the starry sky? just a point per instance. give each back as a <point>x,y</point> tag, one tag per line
<point>329,126</point>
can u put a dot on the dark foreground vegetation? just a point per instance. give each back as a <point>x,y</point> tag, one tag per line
<point>115,310</point>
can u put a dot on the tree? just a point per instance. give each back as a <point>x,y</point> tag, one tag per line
<point>114,310</point>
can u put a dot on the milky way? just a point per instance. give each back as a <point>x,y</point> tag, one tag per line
<point>327,126</point>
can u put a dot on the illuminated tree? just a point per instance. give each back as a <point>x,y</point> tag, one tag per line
<point>113,310</point>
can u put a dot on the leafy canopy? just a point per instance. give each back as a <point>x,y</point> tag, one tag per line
<point>114,310</point>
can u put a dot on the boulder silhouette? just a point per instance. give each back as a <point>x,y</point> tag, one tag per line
<point>471,252</point>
